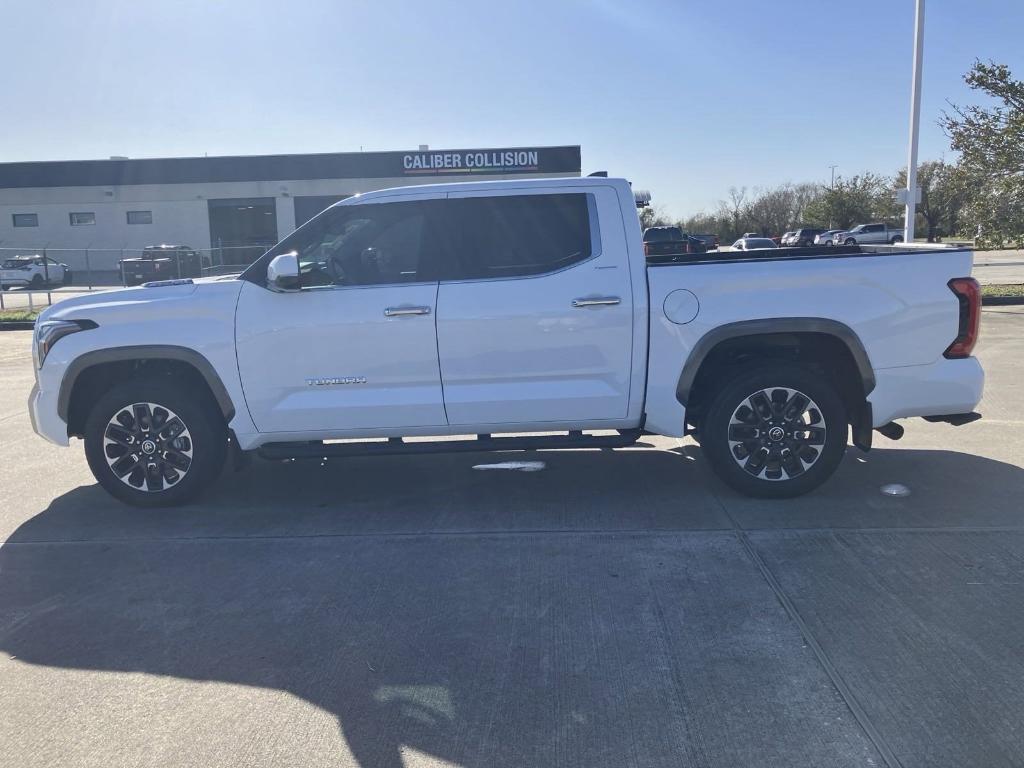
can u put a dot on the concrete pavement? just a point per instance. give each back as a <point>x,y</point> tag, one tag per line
<point>618,608</point>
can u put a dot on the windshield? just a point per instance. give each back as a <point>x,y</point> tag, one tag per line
<point>17,263</point>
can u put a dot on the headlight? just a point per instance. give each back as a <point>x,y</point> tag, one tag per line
<point>49,332</point>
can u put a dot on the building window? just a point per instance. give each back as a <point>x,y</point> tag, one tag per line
<point>25,219</point>
<point>82,219</point>
<point>140,217</point>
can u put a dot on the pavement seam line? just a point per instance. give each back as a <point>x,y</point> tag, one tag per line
<point>612,532</point>
<point>849,698</point>
<point>861,715</point>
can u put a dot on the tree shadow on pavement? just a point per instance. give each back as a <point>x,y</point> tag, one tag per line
<point>427,628</point>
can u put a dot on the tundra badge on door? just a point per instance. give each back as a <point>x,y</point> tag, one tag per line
<point>330,381</point>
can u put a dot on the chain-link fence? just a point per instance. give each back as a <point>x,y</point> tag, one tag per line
<point>106,267</point>
<point>32,277</point>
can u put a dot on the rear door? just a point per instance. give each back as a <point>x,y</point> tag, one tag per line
<point>874,233</point>
<point>535,323</point>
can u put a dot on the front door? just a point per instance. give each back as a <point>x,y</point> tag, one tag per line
<point>356,347</point>
<point>539,326</point>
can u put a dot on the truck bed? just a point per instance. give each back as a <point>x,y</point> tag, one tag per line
<point>796,254</point>
<point>895,299</point>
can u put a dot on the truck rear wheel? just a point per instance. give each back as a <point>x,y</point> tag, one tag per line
<point>152,442</point>
<point>850,241</point>
<point>775,432</point>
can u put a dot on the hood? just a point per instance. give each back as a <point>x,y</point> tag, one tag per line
<point>166,297</point>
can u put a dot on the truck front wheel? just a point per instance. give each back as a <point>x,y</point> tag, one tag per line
<point>775,432</point>
<point>154,442</point>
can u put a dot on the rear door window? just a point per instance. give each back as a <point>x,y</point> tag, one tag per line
<point>519,235</point>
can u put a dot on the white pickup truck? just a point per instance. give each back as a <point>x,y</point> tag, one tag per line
<point>503,308</point>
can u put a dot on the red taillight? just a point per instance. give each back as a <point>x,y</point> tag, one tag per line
<point>969,294</point>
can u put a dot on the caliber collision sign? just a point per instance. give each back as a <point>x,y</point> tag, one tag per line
<point>472,161</point>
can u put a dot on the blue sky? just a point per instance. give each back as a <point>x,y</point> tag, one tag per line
<point>685,98</point>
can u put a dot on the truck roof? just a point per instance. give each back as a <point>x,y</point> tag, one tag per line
<point>480,186</point>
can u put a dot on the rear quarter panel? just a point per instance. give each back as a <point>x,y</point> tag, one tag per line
<point>898,305</point>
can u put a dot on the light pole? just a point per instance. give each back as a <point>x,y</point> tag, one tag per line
<point>915,124</point>
<point>833,184</point>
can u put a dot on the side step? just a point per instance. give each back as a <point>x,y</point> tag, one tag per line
<point>397,446</point>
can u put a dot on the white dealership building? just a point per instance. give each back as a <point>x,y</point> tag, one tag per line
<point>90,213</point>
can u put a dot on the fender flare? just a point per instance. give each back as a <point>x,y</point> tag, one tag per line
<point>144,352</point>
<point>821,325</point>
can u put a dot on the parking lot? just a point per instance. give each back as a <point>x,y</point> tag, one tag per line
<point>616,608</point>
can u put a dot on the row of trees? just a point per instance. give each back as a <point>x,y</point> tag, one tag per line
<point>980,196</point>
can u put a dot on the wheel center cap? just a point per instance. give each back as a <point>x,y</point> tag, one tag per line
<point>775,434</point>
<point>148,447</point>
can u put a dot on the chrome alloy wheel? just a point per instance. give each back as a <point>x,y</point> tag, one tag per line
<point>148,447</point>
<point>776,433</point>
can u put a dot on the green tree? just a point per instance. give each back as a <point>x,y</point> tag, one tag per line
<point>943,191</point>
<point>653,216</point>
<point>990,140</point>
<point>860,199</point>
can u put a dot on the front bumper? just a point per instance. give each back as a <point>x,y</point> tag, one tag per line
<point>42,411</point>
<point>940,388</point>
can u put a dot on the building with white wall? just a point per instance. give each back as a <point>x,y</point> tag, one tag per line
<point>93,212</point>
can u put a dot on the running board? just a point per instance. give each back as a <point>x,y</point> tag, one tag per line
<point>396,445</point>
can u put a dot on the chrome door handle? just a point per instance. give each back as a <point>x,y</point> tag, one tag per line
<point>603,301</point>
<point>402,311</point>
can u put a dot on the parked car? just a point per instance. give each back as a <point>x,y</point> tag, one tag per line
<point>670,241</point>
<point>786,236</point>
<point>801,238</point>
<point>752,234</point>
<point>33,272</point>
<point>866,234</point>
<point>711,242</point>
<point>827,237</point>
<point>161,262</point>
<point>391,315</point>
<point>753,243</point>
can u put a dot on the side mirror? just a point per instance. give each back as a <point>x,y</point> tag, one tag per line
<point>283,273</point>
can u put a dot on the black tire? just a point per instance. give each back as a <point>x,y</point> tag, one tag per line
<point>849,241</point>
<point>37,281</point>
<point>895,240</point>
<point>203,442</point>
<point>789,466</point>
<point>68,276</point>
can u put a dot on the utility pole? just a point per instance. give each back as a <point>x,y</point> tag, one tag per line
<point>833,184</point>
<point>915,124</point>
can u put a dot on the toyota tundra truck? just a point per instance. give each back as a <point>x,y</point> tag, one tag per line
<point>521,315</point>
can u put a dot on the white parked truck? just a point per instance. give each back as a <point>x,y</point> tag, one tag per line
<point>869,234</point>
<point>508,307</point>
